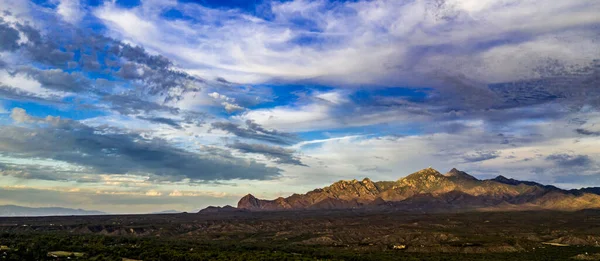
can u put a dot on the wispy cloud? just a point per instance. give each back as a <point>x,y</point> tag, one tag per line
<point>384,42</point>
<point>279,154</point>
<point>304,143</point>
<point>255,131</point>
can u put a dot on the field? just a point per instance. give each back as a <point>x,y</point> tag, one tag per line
<point>330,235</point>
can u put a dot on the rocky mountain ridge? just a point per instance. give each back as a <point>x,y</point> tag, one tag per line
<point>429,190</point>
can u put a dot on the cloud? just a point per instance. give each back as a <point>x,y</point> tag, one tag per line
<point>156,75</point>
<point>395,42</point>
<point>24,87</point>
<point>131,104</point>
<point>293,118</point>
<point>151,75</point>
<point>337,109</point>
<point>227,102</point>
<point>70,10</point>
<point>217,96</point>
<point>333,159</point>
<point>256,132</point>
<point>434,111</point>
<point>162,120</point>
<point>19,115</point>
<point>570,161</point>
<point>113,201</point>
<point>481,156</point>
<point>178,193</point>
<point>91,148</point>
<point>36,169</point>
<point>373,169</point>
<point>587,132</point>
<point>57,79</point>
<point>9,92</point>
<point>304,143</point>
<point>446,46</point>
<point>9,37</point>
<point>231,107</point>
<point>43,49</point>
<point>487,86</point>
<point>279,154</point>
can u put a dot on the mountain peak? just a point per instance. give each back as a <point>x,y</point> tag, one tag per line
<point>500,177</point>
<point>249,196</point>
<point>459,174</point>
<point>429,170</point>
<point>426,179</point>
<point>505,180</point>
<point>429,189</point>
<point>424,172</point>
<point>249,202</point>
<point>352,185</point>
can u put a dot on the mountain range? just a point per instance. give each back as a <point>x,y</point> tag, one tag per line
<point>18,211</point>
<point>430,190</point>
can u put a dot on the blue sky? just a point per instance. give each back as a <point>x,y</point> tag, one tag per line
<point>141,106</point>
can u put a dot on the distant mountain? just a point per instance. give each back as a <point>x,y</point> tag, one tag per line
<point>225,209</point>
<point>592,190</point>
<point>18,211</point>
<point>170,211</point>
<point>429,190</point>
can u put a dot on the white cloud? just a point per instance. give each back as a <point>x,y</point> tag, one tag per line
<point>335,97</point>
<point>24,83</point>
<point>367,42</point>
<point>345,158</point>
<point>20,116</point>
<point>332,110</point>
<point>70,10</point>
<point>178,193</point>
<point>304,143</point>
<point>289,118</point>
<point>232,107</point>
<point>153,193</point>
<point>217,96</point>
<point>227,102</point>
<point>20,11</point>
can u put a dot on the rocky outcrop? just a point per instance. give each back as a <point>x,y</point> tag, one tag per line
<point>224,209</point>
<point>457,174</point>
<point>429,190</point>
<point>249,202</point>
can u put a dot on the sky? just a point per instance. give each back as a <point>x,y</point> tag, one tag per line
<point>136,106</point>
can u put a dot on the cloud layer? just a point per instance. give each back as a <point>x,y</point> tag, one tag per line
<point>107,151</point>
<point>174,101</point>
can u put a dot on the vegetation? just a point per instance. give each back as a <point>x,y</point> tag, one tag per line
<point>335,235</point>
<point>97,247</point>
